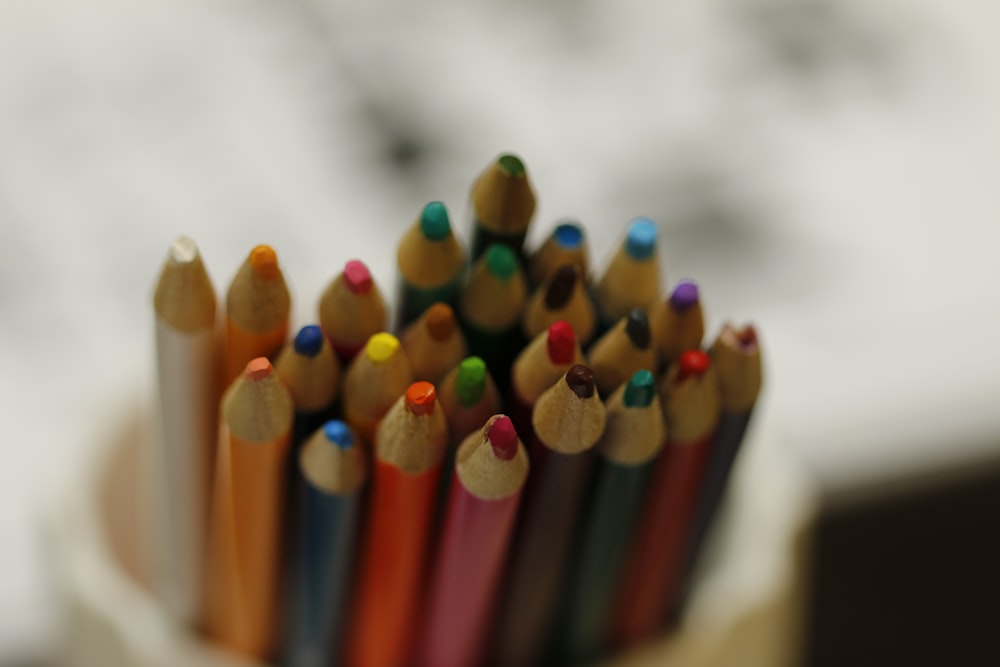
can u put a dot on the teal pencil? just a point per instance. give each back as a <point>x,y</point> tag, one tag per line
<point>431,265</point>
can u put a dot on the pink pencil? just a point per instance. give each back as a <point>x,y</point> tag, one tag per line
<point>490,470</point>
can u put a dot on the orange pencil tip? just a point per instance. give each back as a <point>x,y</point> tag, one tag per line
<point>258,369</point>
<point>264,261</point>
<point>440,321</point>
<point>420,397</point>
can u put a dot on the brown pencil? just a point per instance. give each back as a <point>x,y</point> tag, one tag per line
<point>434,344</point>
<point>242,607</point>
<point>562,297</point>
<point>351,310</point>
<point>257,310</point>
<point>373,382</point>
<point>626,348</point>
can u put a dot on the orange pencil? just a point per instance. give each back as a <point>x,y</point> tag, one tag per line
<point>257,310</point>
<point>375,379</point>
<point>409,448</point>
<point>242,607</point>
<point>434,344</point>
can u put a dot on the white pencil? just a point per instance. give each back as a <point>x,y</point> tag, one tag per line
<point>186,355</point>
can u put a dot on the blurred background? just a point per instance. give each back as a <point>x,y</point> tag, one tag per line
<point>825,168</point>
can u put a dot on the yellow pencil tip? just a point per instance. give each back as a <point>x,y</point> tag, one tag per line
<point>381,346</point>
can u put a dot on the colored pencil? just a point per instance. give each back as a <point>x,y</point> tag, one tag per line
<point>538,367</point>
<point>375,379</point>
<point>468,397</point>
<point>632,279</point>
<point>568,420</point>
<point>624,349</point>
<point>186,360</point>
<point>310,370</point>
<point>677,322</point>
<point>332,469</point>
<point>490,308</point>
<point>567,244</point>
<point>632,438</point>
<point>434,344</point>
<point>431,264</point>
<point>490,472</point>
<point>736,357</point>
<point>502,204</point>
<point>351,310</point>
<point>409,447</point>
<point>562,297</point>
<point>242,609</point>
<point>257,311</point>
<point>691,405</point>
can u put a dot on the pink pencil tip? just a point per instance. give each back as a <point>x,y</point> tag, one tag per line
<point>357,277</point>
<point>503,438</point>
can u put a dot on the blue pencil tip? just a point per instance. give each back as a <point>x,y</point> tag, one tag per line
<point>640,240</point>
<point>338,433</point>
<point>309,340</point>
<point>569,235</point>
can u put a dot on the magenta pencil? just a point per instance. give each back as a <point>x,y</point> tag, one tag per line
<point>490,471</point>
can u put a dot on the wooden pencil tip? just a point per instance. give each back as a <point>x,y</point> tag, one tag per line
<point>637,328</point>
<point>183,250</point>
<point>502,437</point>
<point>684,295</point>
<point>560,289</point>
<point>511,165</point>
<point>420,398</point>
<point>258,369</point>
<point>440,321</point>
<point>381,346</point>
<point>264,261</point>
<point>640,240</point>
<point>339,433</point>
<point>357,277</point>
<point>693,363</point>
<point>581,380</point>
<point>309,340</point>
<point>561,343</point>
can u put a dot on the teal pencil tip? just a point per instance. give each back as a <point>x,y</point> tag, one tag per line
<point>501,261</point>
<point>470,381</point>
<point>640,390</point>
<point>434,222</point>
<point>511,164</point>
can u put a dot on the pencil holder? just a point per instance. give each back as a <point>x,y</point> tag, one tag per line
<point>744,610</point>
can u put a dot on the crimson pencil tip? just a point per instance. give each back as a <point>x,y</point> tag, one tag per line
<point>503,438</point>
<point>420,398</point>
<point>581,380</point>
<point>561,343</point>
<point>693,363</point>
<point>561,288</point>
<point>747,336</point>
<point>357,277</point>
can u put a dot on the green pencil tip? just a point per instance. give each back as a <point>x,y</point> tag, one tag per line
<point>640,390</point>
<point>501,261</point>
<point>511,164</point>
<point>470,381</point>
<point>434,222</point>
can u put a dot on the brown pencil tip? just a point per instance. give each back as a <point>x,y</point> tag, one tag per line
<point>561,288</point>
<point>440,321</point>
<point>420,398</point>
<point>264,261</point>
<point>258,369</point>
<point>581,380</point>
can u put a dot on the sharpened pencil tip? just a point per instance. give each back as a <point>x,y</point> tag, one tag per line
<point>511,164</point>
<point>640,390</point>
<point>264,261</point>
<point>560,289</point>
<point>440,321</point>
<point>640,240</point>
<point>569,235</point>
<point>258,369</point>
<point>434,222</point>
<point>637,328</point>
<point>338,433</point>
<point>501,261</point>
<point>561,343</point>
<point>503,438</point>
<point>684,296</point>
<point>309,340</point>
<point>183,250</point>
<point>420,398</point>
<point>470,381</point>
<point>581,380</point>
<point>693,363</point>
<point>747,337</point>
<point>381,346</point>
<point>357,277</point>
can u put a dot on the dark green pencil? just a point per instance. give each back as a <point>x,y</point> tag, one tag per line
<point>502,205</point>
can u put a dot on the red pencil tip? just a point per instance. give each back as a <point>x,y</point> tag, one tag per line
<point>747,336</point>
<point>420,398</point>
<point>503,438</point>
<point>693,362</point>
<point>561,343</point>
<point>357,277</point>
<point>258,369</point>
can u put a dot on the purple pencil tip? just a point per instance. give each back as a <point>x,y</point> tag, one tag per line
<point>684,295</point>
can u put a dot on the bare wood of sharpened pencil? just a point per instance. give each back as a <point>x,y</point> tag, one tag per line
<point>187,371</point>
<point>258,305</point>
<point>568,419</point>
<point>567,244</point>
<point>626,347</point>
<point>632,279</point>
<point>562,297</point>
<point>242,605</point>
<point>310,370</point>
<point>434,344</point>
<point>502,205</point>
<point>468,397</point>
<point>375,379</point>
<point>490,303</point>
<point>351,310</point>
<point>678,322</point>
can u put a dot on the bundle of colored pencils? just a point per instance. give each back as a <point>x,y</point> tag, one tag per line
<point>524,475</point>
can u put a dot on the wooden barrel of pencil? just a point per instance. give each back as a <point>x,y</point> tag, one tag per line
<point>187,370</point>
<point>409,448</point>
<point>375,379</point>
<point>351,310</point>
<point>242,607</point>
<point>490,471</point>
<point>331,470</point>
<point>502,205</point>
<point>490,308</point>
<point>310,370</point>
<point>626,348</point>
<point>568,419</point>
<point>434,344</point>
<point>653,567</point>
<point>632,279</point>
<point>562,297</point>
<point>633,436</point>
<point>257,311</point>
<point>567,244</point>
<point>677,322</point>
<point>468,397</point>
<point>431,265</point>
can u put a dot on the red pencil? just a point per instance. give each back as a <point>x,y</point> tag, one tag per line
<point>691,406</point>
<point>490,471</point>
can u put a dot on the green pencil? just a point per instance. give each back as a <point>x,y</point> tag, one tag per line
<point>502,205</point>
